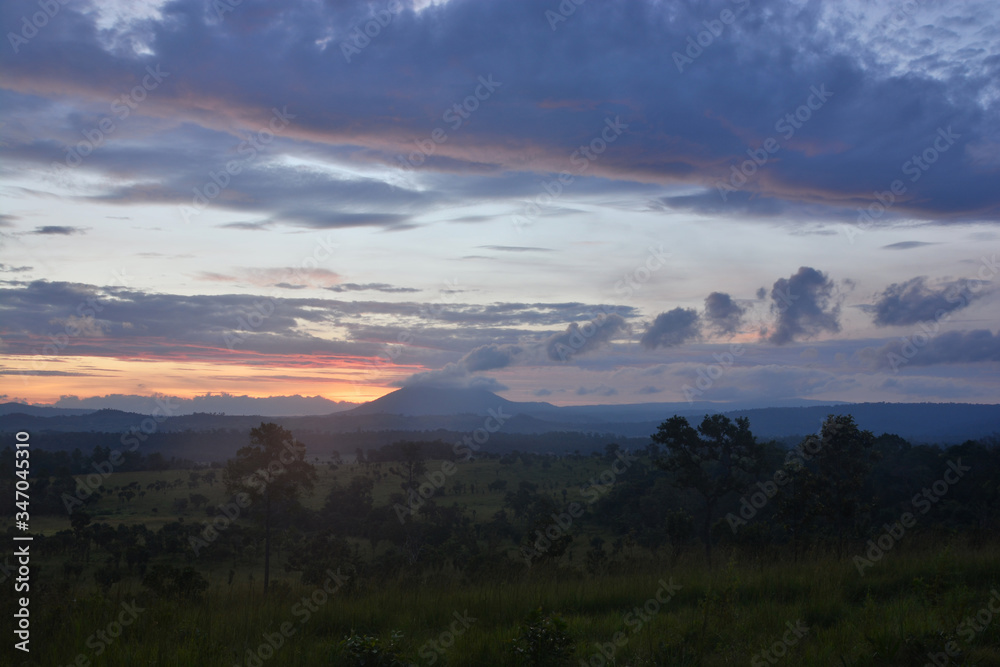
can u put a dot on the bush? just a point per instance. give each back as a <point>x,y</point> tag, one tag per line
<point>167,581</point>
<point>543,641</point>
<point>370,651</point>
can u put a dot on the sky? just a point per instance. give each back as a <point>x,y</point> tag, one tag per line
<point>579,202</point>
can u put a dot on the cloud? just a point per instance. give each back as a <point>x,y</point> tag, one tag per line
<point>906,245</point>
<point>601,390</point>
<point>542,392</point>
<point>512,248</point>
<point>806,306</point>
<point>692,127</point>
<point>6,268</point>
<point>722,313</point>
<point>59,230</point>
<point>950,347</point>
<point>136,323</point>
<point>672,328</point>
<point>580,339</point>
<point>490,356</point>
<point>286,278</point>
<point>376,287</point>
<point>912,301</point>
<point>649,390</point>
<point>452,376</point>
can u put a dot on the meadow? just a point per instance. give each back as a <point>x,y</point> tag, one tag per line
<point>930,594</point>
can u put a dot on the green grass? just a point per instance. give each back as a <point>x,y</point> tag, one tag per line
<point>908,604</point>
<point>720,617</point>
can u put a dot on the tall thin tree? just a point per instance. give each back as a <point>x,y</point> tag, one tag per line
<point>272,470</point>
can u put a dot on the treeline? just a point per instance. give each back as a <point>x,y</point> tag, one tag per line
<point>50,463</point>
<point>218,445</point>
<point>711,486</point>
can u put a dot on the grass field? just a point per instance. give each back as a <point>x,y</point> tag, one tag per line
<point>820,611</point>
<point>907,608</point>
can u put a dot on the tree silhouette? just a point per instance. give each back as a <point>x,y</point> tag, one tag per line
<point>271,470</point>
<point>843,462</point>
<point>718,458</point>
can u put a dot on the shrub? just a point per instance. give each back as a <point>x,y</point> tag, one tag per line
<point>543,640</point>
<point>370,651</point>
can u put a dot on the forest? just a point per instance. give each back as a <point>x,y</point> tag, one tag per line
<point>705,547</point>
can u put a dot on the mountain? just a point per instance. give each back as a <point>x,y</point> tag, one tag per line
<point>422,401</point>
<point>917,422</point>
<point>39,411</point>
<point>456,411</point>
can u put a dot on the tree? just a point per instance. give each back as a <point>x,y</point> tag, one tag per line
<point>271,470</point>
<point>843,458</point>
<point>718,458</point>
<point>412,465</point>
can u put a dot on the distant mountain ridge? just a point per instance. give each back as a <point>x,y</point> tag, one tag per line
<point>40,411</point>
<point>463,410</point>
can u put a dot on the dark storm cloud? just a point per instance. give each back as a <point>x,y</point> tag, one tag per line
<point>805,305</point>
<point>951,347</point>
<point>913,301</point>
<point>722,313</point>
<point>672,328</point>
<point>583,338</point>
<point>691,126</point>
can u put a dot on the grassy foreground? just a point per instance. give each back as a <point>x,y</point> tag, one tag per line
<point>819,612</point>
